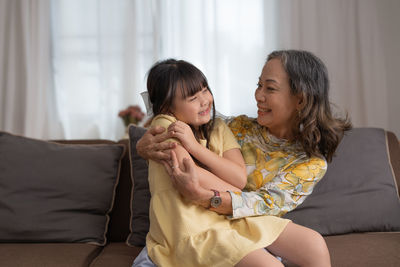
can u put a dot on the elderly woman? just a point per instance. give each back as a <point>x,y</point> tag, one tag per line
<point>285,149</point>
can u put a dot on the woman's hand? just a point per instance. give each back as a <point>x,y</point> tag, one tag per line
<point>185,179</point>
<point>151,145</point>
<point>184,133</point>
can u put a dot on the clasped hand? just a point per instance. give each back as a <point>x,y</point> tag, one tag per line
<point>184,134</point>
<point>185,179</point>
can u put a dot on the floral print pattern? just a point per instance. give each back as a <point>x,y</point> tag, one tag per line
<point>280,174</point>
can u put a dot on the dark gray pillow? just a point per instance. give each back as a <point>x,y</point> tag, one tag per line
<point>358,192</point>
<point>52,192</point>
<point>140,199</point>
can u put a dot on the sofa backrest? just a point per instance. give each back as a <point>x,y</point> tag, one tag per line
<point>118,229</point>
<point>120,216</point>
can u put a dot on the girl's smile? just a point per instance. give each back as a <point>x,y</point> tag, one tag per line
<point>195,109</point>
<point>205,112</point>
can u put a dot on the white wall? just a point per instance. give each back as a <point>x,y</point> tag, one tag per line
<point>389,23</point>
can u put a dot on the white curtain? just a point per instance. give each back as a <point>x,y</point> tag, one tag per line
<point>345,34</point>
<point>27,104</point>
<point>68,76</point>
<point>228,40</point>
<point>103,49</point>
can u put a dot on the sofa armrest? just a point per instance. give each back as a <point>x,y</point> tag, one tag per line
<point>394,153</point>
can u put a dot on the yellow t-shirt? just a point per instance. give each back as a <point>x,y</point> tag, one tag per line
<point>185,234</point>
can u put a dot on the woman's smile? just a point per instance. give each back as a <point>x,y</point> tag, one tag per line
<point>263,111</point>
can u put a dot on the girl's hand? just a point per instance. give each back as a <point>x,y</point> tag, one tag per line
<point>184,133</point>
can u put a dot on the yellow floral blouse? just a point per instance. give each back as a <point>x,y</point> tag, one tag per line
<point>280,174</point>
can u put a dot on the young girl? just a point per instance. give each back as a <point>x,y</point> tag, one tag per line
<point>182,233</point>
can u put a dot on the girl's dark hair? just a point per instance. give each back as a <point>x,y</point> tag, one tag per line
<point>317,129</point>
<point>165,77</point>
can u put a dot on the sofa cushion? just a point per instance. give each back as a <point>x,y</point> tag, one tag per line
<point>140,193</point>
<point>52,254</point>
<point>358,192</point>
<point>52,192</point>
<point>363,249</point>
<point>118,227</point>
<point>116,254</point>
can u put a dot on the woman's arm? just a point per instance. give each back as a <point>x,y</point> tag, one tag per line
<point>186,181</point>
<point>284,193</point>
<point>230,167</point>
<point>288,189</point>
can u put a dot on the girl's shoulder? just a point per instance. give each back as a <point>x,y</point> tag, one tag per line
<point>221,126</point>
<point>218,122</point>
<point>162,120</point>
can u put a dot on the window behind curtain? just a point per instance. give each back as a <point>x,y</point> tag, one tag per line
<point>103,49</point>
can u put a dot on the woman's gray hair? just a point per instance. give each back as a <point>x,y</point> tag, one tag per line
<point>317,129</point>
<point>307,73</point>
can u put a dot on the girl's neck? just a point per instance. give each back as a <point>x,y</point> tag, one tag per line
<point>198,133</point>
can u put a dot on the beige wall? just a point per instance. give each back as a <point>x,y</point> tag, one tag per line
<point>389,23</point>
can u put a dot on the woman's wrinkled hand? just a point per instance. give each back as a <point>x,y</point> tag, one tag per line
<point>152,145</point>
<point>185,179</point>
<point>183,133</point>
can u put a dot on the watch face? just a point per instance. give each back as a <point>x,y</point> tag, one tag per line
<point>216,201</point>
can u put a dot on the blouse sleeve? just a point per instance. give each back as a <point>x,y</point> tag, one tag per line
<point>283,193</point>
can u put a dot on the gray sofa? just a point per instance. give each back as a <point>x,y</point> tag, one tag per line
<point>123,214</point>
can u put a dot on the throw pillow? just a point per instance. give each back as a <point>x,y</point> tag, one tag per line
<point>52,192</point>
<point>358,192</point>
<point>140,199</point>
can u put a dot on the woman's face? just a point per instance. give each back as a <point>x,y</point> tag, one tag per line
<point>277,107</point>
<point>194,110</point>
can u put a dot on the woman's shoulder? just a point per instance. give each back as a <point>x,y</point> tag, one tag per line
<point>242,126</point>
<point>163,120</point>
<point>311,163</point>
<point>309,168</point>
<point>242,121</point>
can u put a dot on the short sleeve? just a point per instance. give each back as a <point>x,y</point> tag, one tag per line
<point>222,138</point>
<point>164,121</point>
<point>230,141</point>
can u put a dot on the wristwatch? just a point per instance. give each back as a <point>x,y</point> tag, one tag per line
<point>216,200</point>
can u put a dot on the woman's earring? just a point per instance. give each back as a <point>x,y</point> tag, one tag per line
<point>301,127</point>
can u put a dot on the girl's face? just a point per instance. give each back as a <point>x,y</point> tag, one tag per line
<point>277,106</point>
<point>194,110</point>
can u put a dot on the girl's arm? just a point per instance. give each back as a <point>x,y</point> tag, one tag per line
<point>230,167</point>
<point>207,179</point>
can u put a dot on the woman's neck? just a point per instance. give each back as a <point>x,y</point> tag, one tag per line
<point>282,133</point>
